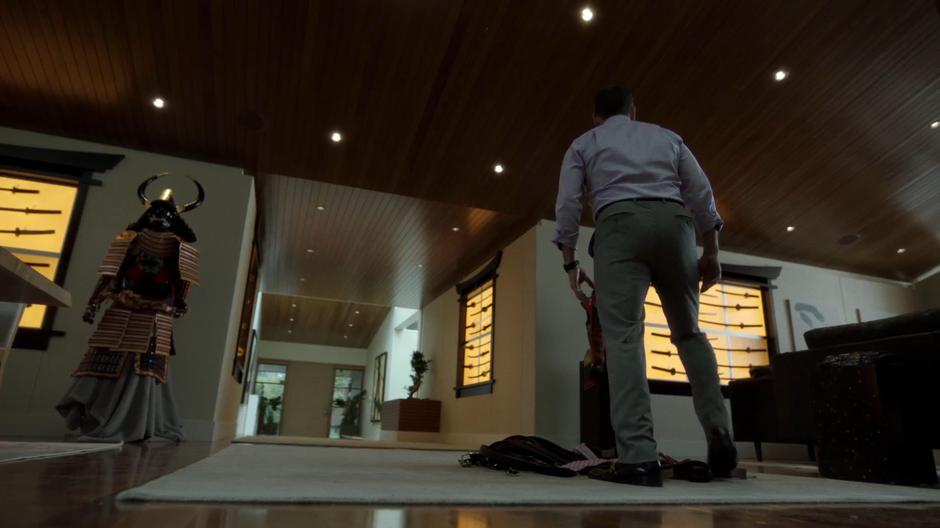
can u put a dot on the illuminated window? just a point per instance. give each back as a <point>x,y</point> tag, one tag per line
<point>34,221</point>
<point>477,330</point>
<point>734,318</point>
<point>42,194</point>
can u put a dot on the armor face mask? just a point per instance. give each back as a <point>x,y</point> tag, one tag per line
<point>163,214</point>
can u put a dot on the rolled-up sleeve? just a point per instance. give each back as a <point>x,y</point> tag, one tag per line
<point>568,203</point>
<point>697,192</point>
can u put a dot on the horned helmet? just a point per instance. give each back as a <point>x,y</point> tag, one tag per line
<point>163,214</point>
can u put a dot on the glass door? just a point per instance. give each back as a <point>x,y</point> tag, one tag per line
<point>347,402</point>
<point>269,386</point>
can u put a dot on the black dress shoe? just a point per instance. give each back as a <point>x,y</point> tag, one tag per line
<point>642,474</point>
<point>722,455</point>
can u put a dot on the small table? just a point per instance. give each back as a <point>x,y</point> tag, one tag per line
<point>21,285</point>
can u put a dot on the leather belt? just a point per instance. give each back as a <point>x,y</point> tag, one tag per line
<point>670,200</point>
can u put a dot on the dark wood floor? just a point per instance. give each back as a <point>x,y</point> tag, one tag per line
<point>79,491</point>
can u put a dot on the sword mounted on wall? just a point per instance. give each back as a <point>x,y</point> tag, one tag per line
<point>27,232</point>
<point>17,190</point>
<point>27,210</point>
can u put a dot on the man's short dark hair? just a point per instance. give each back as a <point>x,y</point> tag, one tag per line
<point>615,100</point>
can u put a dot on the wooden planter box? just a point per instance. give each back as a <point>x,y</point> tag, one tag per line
<point>412,415</point>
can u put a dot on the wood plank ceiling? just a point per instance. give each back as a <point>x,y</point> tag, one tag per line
<point>430,94</point>
<point>304,320</point>
<point>328,241</point>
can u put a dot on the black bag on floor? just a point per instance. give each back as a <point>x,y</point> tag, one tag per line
<point>524,453</point>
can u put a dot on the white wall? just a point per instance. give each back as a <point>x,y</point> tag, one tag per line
<point>284,351</point>
<point>927,292</point>
<point>562,341</point>
<point>399,343</point>
<point>34,381</point>
<point>229,394</point>
<point>510,409</point>
<point>248,411</point>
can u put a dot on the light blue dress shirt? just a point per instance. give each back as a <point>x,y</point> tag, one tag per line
<point>623,159</point>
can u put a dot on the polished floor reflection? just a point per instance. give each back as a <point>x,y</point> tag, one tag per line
<point>79,490</point>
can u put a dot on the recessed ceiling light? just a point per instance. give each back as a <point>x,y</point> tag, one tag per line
<point>498,168</point>
<point>350,325</point>
<point>309,250</point>
<point>357,312</point>
<point>420,265</point>
<point>303,279</point>
<point>790,229</point>
<point>587,14</point>
<point>336,137</point>
<point>321,208</point>
<point>158,102</point>
<point>290,331</point>
<point>345,337</point>
<point>292,319</point>
<point>935,124</point>
<point>455,229</point>
<point>902,250</point>
<point>292,305</point>
<point>780,75</point>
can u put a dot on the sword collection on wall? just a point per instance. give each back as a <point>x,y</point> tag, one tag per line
<point>34,219</point>
<point>733,323</point>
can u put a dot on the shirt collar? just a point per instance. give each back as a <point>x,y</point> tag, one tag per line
<point>616,119</point>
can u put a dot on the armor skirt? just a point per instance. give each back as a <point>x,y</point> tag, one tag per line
<point>129,408</point>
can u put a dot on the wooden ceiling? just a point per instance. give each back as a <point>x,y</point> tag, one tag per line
<point>430,94</point>
<point>334,242</point>
<point>320,321</point>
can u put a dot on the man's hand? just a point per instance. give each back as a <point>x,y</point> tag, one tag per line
<point>575,278</point>
<point>709,269</point>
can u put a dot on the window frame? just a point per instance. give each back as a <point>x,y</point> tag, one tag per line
<point>57,166</point>
<point>683,388</point>
<point>38,338</point>
<point>487,274</point>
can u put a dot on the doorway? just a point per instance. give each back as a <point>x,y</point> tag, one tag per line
<point>269,386</point>
<point>347,403</point>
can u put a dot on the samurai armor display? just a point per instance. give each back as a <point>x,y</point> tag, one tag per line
<point>121,389</point>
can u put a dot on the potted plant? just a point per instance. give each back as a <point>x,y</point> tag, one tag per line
<point>351,408</point>
<point>413,414</point>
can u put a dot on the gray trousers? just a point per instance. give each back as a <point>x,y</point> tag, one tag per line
<point>638,244</point>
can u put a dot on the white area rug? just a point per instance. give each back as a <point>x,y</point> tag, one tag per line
<point>329,475</point>
<point>344,442</point>
<point>20,451</point>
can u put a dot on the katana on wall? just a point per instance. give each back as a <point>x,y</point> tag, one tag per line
<point>731,325</point>
<point>17,190</point>
<point>728,307</point>
<point>746,295</point>
<point>468,367</point>
<point>28,211</point>
<point>24,232</point>
<point>669,336</point>
<point>749,350</point>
